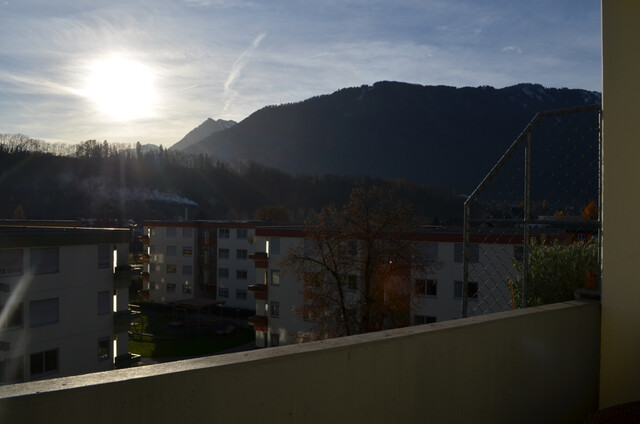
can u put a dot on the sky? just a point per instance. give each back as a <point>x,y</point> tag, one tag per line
<point>152,70</point>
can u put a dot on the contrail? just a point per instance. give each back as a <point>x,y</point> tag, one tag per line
<point>314,56</point>
<point>237,67</point>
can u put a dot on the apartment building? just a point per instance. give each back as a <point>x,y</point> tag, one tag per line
<point>64,294</point>
<point>436,296</point>
<point>199,259</point>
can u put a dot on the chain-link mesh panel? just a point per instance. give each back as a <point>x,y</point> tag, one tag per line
<point>532,226</point>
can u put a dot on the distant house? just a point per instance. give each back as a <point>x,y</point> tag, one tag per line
<point>64,294</point>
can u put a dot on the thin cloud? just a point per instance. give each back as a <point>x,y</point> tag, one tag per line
<point>34,85</point>
<point>512,50</point>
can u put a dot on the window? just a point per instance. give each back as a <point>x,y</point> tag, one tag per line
<point>103,349</point>
<point>241,254</point>
<point>43,260</point>
<point>223,272</point>
<point>171,269</point>
<point>44,362</point>
<point>171,231</point>
<point>275,309</point>
<point>187,269</point>
<point>104,299</point>
<point>104,256</point>
<point>431,251</point>
<point>152,249</point>
<point>241,233</point>
<point>11,371</point>
<point>152,231</point>
<point>474,253</point>
<point>223,292</point>
<point>187,232</point>
<point>352,282</point>
<point>275,339</point>
<point>13,317</point>
<point>423,319</point>
<point>223,253</point>
<point>186,288</point>
<point>472,289</point>
<point>10,262</point>
<point>223,233</point>
<point>171,251</point>
<point>275,277</point>
<point>241,294</point>
<point>171,288</point>
<point>43,312</point>
<point>241,274</point>
<point>274,246</point>
<point>187,251</point>
<point>426,287</point>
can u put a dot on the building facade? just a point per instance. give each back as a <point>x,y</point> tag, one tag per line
<point>64,295</point>
<point>200,259</point>
<point>437,293</point>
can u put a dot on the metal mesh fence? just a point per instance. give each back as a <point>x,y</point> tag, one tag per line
<point>532,226</point>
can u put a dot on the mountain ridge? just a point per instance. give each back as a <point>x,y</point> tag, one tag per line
<point>392,130</point>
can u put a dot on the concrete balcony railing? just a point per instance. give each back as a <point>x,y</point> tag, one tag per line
<point>122,319</point>
<point>536,365</point>
<point>260,259</point>
<point>259,322</point>
<point>123,275</point>
<point>260,291</point>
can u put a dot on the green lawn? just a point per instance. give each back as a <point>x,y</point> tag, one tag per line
<point>169,342</point>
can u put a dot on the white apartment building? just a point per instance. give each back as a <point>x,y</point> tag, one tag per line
<point>64,295</point>
<point>437,294</point>
<point>200,259</point>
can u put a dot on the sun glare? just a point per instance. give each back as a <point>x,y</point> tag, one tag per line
<point>121,88</point>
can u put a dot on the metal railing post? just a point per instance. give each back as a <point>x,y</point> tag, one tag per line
<point>465,258</point>
<point>527,217</point>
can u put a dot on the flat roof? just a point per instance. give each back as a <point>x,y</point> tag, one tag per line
<point>38,236</point>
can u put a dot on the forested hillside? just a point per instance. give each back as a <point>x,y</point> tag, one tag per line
<point>112,185</point>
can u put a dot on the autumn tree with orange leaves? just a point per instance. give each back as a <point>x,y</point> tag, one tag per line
<point>356,265</point>
<point>590,211</point>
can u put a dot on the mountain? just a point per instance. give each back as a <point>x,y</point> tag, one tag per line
<point>201,132</point>
<point>436,135</point>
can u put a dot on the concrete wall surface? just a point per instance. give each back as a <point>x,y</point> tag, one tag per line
<point>527,366</point>
<point>620,373</point>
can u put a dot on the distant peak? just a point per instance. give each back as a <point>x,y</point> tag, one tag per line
<point>202,131</point>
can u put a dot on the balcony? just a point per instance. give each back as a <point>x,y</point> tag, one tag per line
<point>260,291</point>
<point>122,320</point>
<point>123,275</point>
<point>260,259</point>
<point>144,240</point>
<point>127,360</point>
<point>493,368</point>
<point>259,322</point>
<point>145,276</point>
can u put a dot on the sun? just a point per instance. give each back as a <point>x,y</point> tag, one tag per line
<point>121,88</point>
